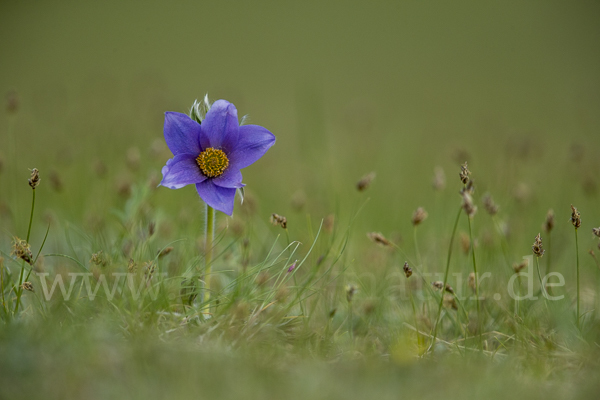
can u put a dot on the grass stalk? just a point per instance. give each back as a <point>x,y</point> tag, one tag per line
<point>19,288</point>
<point>439,313</point>
<point>476,284</point>
<point>577,254</point>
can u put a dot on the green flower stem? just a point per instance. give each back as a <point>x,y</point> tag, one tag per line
<point>437,319</point>
<point>208,249</point>
<point>476,285</point>
<point>577,251</point>
<point>19,288</point>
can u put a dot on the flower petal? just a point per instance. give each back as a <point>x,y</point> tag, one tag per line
<point>231,178</point>
<point>181,133</point>
<point>180,171</point>
<point>252,144</point>
<point>217,197</point>
<point>220,126</point>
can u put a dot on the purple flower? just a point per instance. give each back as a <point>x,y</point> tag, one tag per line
<point>210,155</point>
<point>292,267</point>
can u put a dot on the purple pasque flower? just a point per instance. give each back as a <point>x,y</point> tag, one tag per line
<point>211,154</point>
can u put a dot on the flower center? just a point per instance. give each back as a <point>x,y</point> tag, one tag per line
<point>212,162</point>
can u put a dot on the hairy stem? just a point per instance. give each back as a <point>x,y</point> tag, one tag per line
<point>208,251</point>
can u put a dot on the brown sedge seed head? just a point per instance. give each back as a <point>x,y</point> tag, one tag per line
<point>407,270</point>
<point>575,217</point>
<point>419,216</point>
<point>280,220</point>
<point>537,247</point>
<point>365,181</point>
<point>378,238</point>
<point>34,179</point>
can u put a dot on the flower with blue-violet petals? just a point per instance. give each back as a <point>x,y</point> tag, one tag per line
<point>211,154</point>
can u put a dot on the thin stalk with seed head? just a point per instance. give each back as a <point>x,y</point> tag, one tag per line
<point>577,253</point>
<point>439,313</point>
<point>542,288</point>
<point>419,260</point>
<point>20,289</point>
<point>549,251</point>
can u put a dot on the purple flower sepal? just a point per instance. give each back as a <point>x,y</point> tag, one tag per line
<point>210,155</point>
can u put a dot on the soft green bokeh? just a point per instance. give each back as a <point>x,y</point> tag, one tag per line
<point>347,87</point>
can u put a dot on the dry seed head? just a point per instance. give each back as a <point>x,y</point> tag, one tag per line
<point>280,220</point>
<point>450,302</point>
<point>34,180</point>
<point>465,242</point>
<point>165,251</point>
<point>596,231</point>
<point>131,266</point>
<point>407,270</point>
<point>12,102</point>
<point>520,266</point>
<point>464,173</point>
<point>21,249</point>
<point>350,292</point>
<point>328,223</point>
<point>419,216</point>
<point>439,285</point>
<point>262,278</point>
<point>378,238</point>
<point>98,258</point>
<point>149,269</point>
<point>439,179</point>
<point>56,182</point>
<point>467,204</point>
<point>28,286</point>
<point>365,181</point>
<point>575,217</point>
<point>151,228</point>
<point>490,206</point>
<point>471,282</point>
<point>537,248</point>
<point>549,224</point>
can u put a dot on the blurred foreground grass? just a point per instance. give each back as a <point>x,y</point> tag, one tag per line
<point>401,89</point>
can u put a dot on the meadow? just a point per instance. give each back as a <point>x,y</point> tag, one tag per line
<point>416,149</point>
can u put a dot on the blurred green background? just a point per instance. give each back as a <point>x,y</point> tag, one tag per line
<point>347,87</point>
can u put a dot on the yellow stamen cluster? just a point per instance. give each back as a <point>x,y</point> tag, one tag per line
<point>212,162</point>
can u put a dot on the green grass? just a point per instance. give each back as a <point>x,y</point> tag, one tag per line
<point>399,88</point>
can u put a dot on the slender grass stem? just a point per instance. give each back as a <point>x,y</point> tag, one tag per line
<point>19,288</point>
<point>549,251</point>
<point>414,310</point>
<point>419,260</point>
<point>476,284</point>
<point>208,249</point>
<point>577,253</point>
<point>503,243</point>
<point>537,265</point>
<point>439,313</point>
